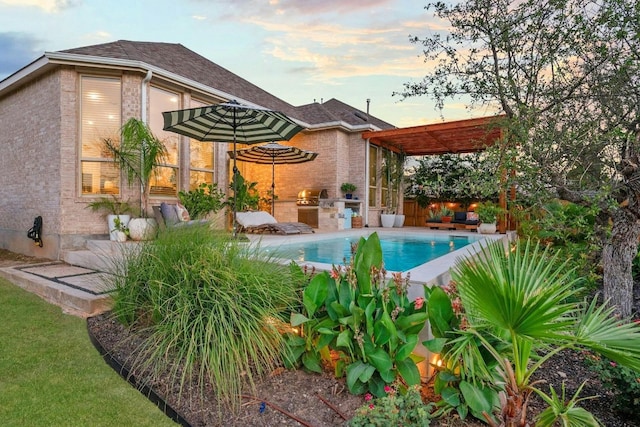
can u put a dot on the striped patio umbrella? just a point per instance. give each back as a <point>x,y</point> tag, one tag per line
<point>231,122</point>
<point>273,154</point>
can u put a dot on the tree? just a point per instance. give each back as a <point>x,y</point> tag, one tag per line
<point>565,74</point>
<point>449,177</point>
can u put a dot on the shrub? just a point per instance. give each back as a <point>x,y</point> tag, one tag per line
<point>209,308</point>
<point>204,199</point>
<point>395,409</point>
<point>622,381</point>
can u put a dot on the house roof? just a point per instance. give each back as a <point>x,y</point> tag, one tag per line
<point>460,136</point>
<point>181,61</point>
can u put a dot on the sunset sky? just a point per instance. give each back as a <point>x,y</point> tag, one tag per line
<point>299,50</point>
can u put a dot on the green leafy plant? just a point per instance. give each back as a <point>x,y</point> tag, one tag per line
<point>137,153</point>
<point>563,411</point>
<point>208,305</point>
<point>348,187</point>
<point>246,196</point>
<point>118,225</point>
<point>488,212</point>
<point>395,409</point>
<point>202,200</point>
<point>111,206</point>
<point>622,381</point>
<point>367,320</point>
<point>458,390</point>
<point>517,304</point>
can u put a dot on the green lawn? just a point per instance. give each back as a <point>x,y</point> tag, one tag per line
<point>51,375</point>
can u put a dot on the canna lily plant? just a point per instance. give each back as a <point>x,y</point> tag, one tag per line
<point>367,321</point>
<point>520,309</point>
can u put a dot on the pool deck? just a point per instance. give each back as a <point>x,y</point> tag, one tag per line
<point>436,272</point>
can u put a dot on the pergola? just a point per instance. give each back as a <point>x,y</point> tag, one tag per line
<point>460,136</point>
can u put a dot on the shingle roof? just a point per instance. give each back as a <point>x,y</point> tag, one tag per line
<point>179,60</point>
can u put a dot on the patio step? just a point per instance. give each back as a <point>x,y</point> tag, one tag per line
<point>99,255</point>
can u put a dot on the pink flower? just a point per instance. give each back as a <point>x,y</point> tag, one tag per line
<point>387,389</point>
<point>368,397</point>
<point>614,364</point>
<point>418,303</point>
<point>335,274</point>
<point>371,406</point>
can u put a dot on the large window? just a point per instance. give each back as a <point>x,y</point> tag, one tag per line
<point>164,182</point>
<point>100,116</point>
<point>201,158</point>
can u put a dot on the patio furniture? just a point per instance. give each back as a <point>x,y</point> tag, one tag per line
<point>263,222</point>
<point>174,215</point>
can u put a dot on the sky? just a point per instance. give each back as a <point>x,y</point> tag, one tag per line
<point>298,50</point>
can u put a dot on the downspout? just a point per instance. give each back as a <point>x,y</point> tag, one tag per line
<point>143,97</point>
<point>143,118</point>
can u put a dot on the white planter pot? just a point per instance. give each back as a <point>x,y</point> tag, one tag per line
<point>489,228</point>
<point>142,228</point>
<point>399,221</point>
<point>111,221</point>
<point>387,220</point>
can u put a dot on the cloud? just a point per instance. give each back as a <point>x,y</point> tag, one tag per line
<point>49,6</point>
<point>18,50</point>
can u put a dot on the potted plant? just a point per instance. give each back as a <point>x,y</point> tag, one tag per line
<point>446,214</point>
<point>393,171</point>
<point>120,230</point>
<point>488,215</point>
<point>137,154</point>
<point>348,188</point>
<point>115,210</point>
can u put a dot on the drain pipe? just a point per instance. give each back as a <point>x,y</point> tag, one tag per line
<point>143,97</point>
<point>143,118</point>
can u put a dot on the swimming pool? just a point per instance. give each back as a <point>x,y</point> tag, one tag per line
<point>401,252</point>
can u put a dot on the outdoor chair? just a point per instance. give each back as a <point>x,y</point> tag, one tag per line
<point>263,222</point>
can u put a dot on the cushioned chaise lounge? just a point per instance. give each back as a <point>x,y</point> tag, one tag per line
<point>263,222</point>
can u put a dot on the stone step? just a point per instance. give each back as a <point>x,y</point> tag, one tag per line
<point>78,291</point>
<point>100,255</point>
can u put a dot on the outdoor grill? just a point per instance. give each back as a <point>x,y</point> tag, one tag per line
<point>309,197</point>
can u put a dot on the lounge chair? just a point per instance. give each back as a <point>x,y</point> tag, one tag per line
<point>263,222</point>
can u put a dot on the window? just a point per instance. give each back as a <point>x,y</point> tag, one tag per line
<point>100,117</point>
<point>201,158</point>
<point>164,181</point>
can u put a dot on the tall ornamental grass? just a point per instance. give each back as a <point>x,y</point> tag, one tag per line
<point>210,307</point>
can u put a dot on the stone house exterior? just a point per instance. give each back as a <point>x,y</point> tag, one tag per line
<point>55,111</point>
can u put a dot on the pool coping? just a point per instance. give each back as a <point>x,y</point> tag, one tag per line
<point>435,272</point>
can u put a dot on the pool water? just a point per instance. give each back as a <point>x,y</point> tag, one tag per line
<point>400,253</point>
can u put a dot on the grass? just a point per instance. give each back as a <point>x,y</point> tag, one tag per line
<point>51,375</point>
<point>210,306</point>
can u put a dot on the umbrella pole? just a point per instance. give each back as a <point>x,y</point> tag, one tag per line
<point>235,180</point>
<point>273,187</point>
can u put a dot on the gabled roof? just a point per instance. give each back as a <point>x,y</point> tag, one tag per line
<point>337,111</point>
<point>181,61</point>
<point>460,136</point>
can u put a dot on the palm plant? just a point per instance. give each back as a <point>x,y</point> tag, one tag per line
<point>521,310</point>
<point>137,153</point>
